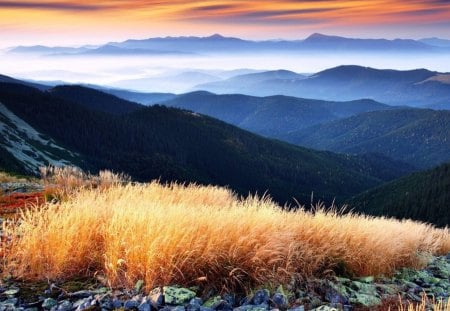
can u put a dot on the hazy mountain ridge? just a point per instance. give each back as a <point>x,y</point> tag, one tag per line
<point>274,116</point>
<point>343,83</point>
<point>218,44</point>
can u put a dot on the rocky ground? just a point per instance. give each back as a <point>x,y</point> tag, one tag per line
<point>334,293</point>
<point>20,187</point>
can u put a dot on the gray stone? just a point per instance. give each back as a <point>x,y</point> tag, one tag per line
<point>366,279</point>
<point>299,308</point>
<point>11,292</point>
<point>145,306</point>
<point>81,294</point>
<point>49,303</point>
<point>131,304</point>
<point>261,296</point>
<point>190,307</point>
<point>83,304</point>
<point>230,299</point>
<point>64,306</point>
<point>325,308</point>
<point>279,300</point>
<point>365,300</point>
<point>139,286</point>
<point>117,304</point>
<point>196,301</point>
<point>212,302</point>
<point>8,304</point>
<point>261,307</point>
<point>107,304</point>
<point>177,295</point>
<point>156,297</point>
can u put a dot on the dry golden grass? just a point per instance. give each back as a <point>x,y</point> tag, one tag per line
<point>61,182</point>
<point>437,305</point>
<point>5,177</point>
<point>187,235</point>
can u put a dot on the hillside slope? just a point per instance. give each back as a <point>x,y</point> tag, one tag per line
<point>417,136</point>
<point>24,150</point>
<point>172,144</point>
<point>421,196</point>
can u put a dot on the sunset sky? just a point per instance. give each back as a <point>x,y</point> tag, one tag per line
<point>69,22</point>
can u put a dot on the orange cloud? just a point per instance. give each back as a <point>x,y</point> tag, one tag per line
<point>249,17</point>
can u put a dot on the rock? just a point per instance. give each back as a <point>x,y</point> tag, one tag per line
<point>230,299</point>
<point>84,304</point>
<point>107,304</point>
<point>279,300</point>
<point>156,297</point>
<point>261,307</point>
<point>299,308</point>
<point>366,279</point>
<point>261,296</point>
<point>196,301</point>
<point>11,291</point>
<point>365,288</point>
<point>9,303</point>
<point>101,290</point>
<point>116,304</point>
<point>223,305</point>
<point>145,306</point>
<point>194,304</point>
<point>49,303</point>
<point>64,306</point>
<point>338,293</point>
<point>325,308</point>
<point>212,302</point>
<point>387,289</point>
<point>131,304</point>
<point>81,294</point>
<point>315,302</point>
<point>177,296</point>
<point>178,308</point>
<point>365,300</point>
<point>139,286</point>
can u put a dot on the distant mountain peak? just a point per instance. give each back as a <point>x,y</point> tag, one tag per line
<point>216,36</point>
<point>321,36</point>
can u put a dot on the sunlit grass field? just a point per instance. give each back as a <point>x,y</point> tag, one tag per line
<point>204,235</point>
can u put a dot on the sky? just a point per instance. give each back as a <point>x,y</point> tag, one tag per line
<point>70,22</point>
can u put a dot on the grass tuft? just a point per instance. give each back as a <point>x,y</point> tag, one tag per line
<point>197,235</point>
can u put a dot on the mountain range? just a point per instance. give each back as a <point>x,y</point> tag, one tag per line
<point>272,116</point>
<point>420,87</point>
<point>172,144</point>
<point>218,44</point>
